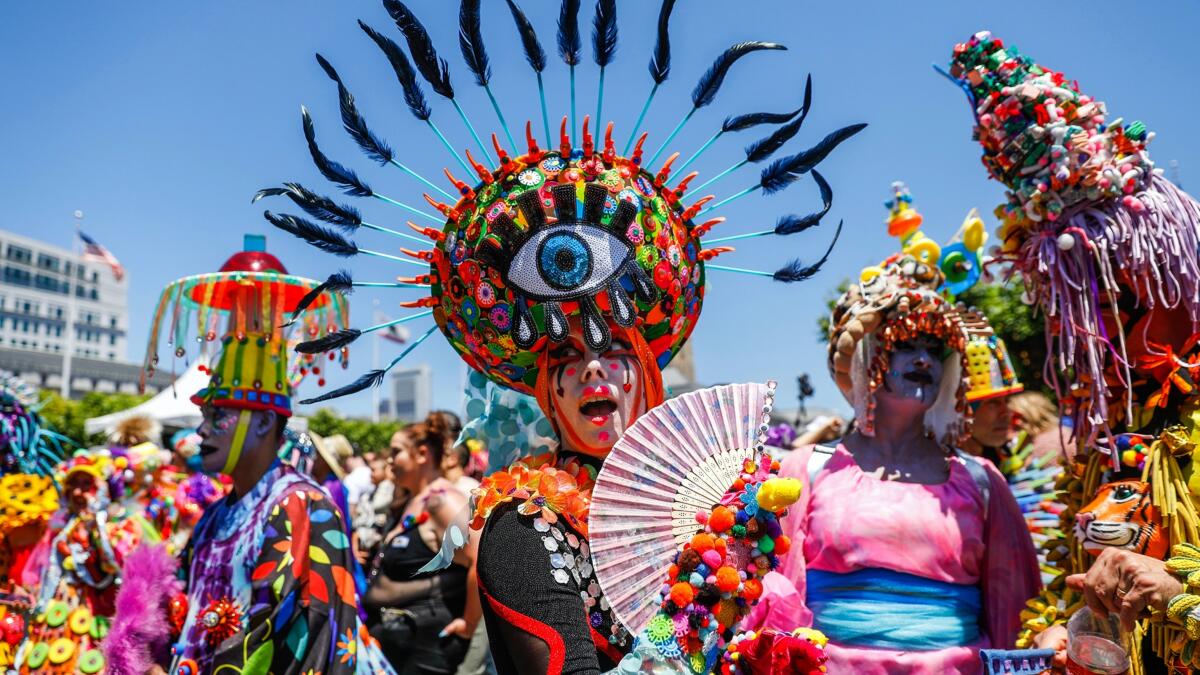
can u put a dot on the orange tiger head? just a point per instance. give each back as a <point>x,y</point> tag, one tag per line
<point>1122,516</point>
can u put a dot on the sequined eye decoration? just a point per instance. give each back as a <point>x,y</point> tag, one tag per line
<point>571,260</point>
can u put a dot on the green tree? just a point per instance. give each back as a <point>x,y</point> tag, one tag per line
<point>67,417</point>
<point>366,436</point>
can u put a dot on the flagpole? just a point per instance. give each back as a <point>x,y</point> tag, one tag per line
<point>72,289</point>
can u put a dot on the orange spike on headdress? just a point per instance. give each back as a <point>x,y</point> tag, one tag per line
<point>665,172</point>
<point>427,256</point>
<point>703,228</point>
<point>535,153</point>
<point>695,208</point>
<point>637,149</point>
<point>505,162</point>
<point>610,150</point>
<point>564,140</point>
<point>447,211</point>
<point>422,280</point>
<point>428,301</point>
<point>484,174</point>
<point>589,145</point>
<point>435,235</point>
<point>463,189</point>
<point>710,253</point>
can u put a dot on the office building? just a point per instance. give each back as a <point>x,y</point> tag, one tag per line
<point>412,393</point>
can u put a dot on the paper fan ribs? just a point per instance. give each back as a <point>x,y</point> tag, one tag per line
<point>676,460</point>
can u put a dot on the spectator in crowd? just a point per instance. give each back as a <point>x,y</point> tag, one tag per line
<point>372,510</point>
<point>454,468</point>
<point>358,479</point>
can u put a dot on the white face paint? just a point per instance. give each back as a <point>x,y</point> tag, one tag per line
<point>914,372</point>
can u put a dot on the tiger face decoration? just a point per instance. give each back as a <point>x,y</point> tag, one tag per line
<point>1121,516</point>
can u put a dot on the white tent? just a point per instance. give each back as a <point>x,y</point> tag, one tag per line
<point>170,407</point>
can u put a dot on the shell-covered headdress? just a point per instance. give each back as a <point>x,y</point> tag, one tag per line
<point>532,237</point>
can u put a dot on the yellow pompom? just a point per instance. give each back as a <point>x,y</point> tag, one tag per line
<point>776,494</point>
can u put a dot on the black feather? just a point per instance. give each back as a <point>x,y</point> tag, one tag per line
<point>470,41</point>
<point>322,237</point>
<point>330,342</point>
<point>529,39</point>
<point>435,71</point>
<point>338,282</point>
<point>569,42</point>
<point>786,170</point>
<point>710,82</point>
<point>315,205</point>
<point>743,122</point>
<point>604,32</point>
<point>349,181</point>
<point>765,147</point>
<point>353,122</point>
<point>792,223</point>
<point>413,95</point>
<point>798,271</point>
<point>660,60</point>
<point>371,379</point>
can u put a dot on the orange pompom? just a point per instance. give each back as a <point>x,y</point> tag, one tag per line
<point>752,589</point>
<point>738,485</point>
<point>721,519</point>
<point>682,594</point>
<point>720,547</point>
<point>673,571</point>
<point>783,544</point>
<point>728,579</point>
<point>702,542</point>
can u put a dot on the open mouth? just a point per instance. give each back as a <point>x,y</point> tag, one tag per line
<point>598,407</point>
<point>206,450</point>
<point>919,377</point>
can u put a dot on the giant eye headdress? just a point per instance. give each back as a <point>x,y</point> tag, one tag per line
<point>575,229</point>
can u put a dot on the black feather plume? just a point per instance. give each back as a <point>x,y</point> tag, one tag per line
<point>604,33</point>
<point>569,42</point>
<point>660,60</point>
<point>322,237</point>
<point>349,181</point>
<point>413,96</point>
<point>529,39</point>
<point>743,122</point>
<point>765,147</point>
<point>710,82</point>
<point>798,271</point>
<point>353,122</point>
<point>786,170</point>
<point>338,282</point>
<point>330,342</point>
<point>435,71</point>
<point>470,41</point>
<point>371,379</point>
<point>315,205</point>
<point>792,223</point>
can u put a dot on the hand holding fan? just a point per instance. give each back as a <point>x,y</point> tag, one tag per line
<point>679,459</point>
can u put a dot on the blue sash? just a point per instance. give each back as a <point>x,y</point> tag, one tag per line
<point>892,610</point>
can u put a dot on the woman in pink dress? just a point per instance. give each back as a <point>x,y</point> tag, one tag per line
<point>909,556</point>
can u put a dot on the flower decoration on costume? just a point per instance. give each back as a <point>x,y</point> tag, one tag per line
<point>545,490</point>
<point>221,619</point>
<point>801,652</point>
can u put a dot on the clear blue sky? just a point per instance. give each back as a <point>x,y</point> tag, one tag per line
<point>161,119</point>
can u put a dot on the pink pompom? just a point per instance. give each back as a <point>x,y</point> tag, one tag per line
<point>702,517</point>
<point>712,558</point>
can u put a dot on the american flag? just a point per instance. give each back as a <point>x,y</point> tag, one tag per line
<point>94,252</point>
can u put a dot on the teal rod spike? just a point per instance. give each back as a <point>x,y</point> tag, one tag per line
<point>450,149</point>
<point>408,208</point>
<point>545,115</point>
<point>671,137</point>
<point>724,173</point>
<point>386,284</point>
<point>414,174</point>
<point>413,345</point>
<point>397,258</point>
<point>730,198</point>
<point>736,237</point>
<point>500,116</point>
<point>641,118</point>
<point>397,233</point>
<point>474,135</point>
<point>739,270</point>
<point>599,101</point>
<point>396,322</point>
<point>696,154</point>
<point>574,125</point>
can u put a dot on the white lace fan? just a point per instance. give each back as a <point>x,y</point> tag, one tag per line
<point>677,459</point>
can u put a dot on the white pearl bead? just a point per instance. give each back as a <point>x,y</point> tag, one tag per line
<point>1066,241</point>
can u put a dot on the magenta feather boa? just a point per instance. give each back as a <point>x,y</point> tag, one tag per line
<point>140,634</point>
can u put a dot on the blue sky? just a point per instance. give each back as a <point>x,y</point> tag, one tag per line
<point>160,120</point>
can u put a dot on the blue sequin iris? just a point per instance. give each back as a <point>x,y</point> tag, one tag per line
<point>564,260</point>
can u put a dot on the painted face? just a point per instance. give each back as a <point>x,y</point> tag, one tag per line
<point>595,396</point>
<point>225,431</point>
<point>80,487</point>
<point>992,423</point>
<point>915,371</point>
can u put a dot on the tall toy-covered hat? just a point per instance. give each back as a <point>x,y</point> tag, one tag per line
<point>251,374</point>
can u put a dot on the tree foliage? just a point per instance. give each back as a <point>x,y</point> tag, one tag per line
<point>364,435</point>
<point>67,417</point>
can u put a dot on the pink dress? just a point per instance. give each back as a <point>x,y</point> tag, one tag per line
<point>852,521</point>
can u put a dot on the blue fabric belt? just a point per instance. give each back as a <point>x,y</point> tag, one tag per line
<point>892,610</point>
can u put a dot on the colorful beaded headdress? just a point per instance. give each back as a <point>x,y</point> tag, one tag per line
<point>1090,224</point>
<point>574,230</point>
<point>26,445</point>
<point>251,374</point>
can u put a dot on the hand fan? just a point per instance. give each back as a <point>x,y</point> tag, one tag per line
<point>678,459</point>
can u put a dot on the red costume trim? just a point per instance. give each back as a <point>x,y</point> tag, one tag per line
<point>558,651</point>
<point>603,645</point>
